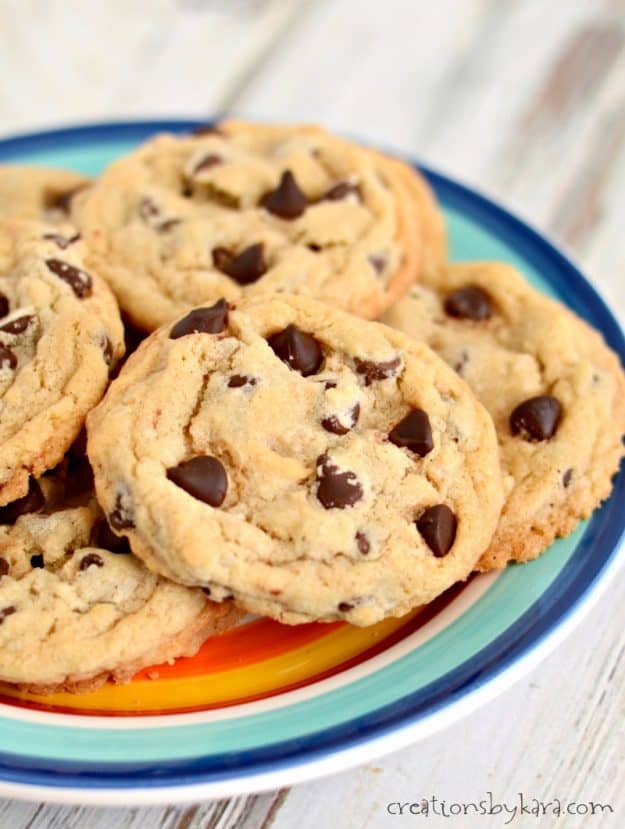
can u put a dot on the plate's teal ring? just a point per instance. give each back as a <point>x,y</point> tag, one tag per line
<point>521,609</point>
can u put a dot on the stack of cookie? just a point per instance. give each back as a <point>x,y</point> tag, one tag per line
<point>267,447</point>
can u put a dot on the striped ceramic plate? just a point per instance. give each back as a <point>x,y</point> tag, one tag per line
<point>268,705</point>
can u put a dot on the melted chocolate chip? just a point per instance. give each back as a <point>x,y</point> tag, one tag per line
<point>4,567</point>
<point>336,427</point>
<point>362,542</point>
<point>7,358</point>
<point>206,129</point>
<point>7,611</point>
<point>287,201</point>
<point>299,350</point>
<point>413,432</point>
<point>567,478</point>
<point>62,242</point>
<point>376,371</point>
<point>91,559</point>
<point>103,536</point>
<point>36,561</point>
<point>203,477</point>
<point>107,350</point>
<point>342,190</point>
<point>33,501</point>
<point>378,262</point>
<point>4,305</point>
<point>238,380</point>
<point>246,267</point>
<point>167,225</point>
<point>345,607</point>
<point>121,517</point>
<point>210,160</point>
<point>336,489</point>
<point>148,208</point>
<point>211,320</point>
<point>206,591</point>
<point>17,325</point>
<point>78,280</point>
<point>437,526</point>
<point>469,303</point>
<point>537,418</point>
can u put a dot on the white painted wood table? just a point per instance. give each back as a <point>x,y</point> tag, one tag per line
<point>525,98</point>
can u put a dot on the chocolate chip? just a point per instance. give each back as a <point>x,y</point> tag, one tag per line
<point>33,501</point>
<point>246,267</point>
<point>345,607</point>
<point>437,526</point>
<point>413,432</point>
<point>167,225</point>
<point>107,350</point>
<point>362,542</point>
<point>103,536</point>
<point>471,303</point>
<point>17,325</point>
<point>148,208</point>
<point>299,350</point>
<point>342,190</point>
<point>238,380</point>
<point>60,241</point>
<point>287,201</point>
<point>91,559</point>
<point>211,320</point>
<point>7,611</point>
<point>36,561</point>
<point>336,489</point>
<point>537,418</point>
<point>63,201</point>
<point>203,477</point>
<point>336,427</point>
<point>7,358</point>
<point>206,129</point>
<point>4,305</point>
<point>566,478</point>
<point>206,591</point>
<point>4,567</point>
<point>314,247</point>
<point>376,371</point>
<point>78,280</point>
<point>210,160</point>
<point>330,384</point>
<point>378,262</point>
<point>121,517</point>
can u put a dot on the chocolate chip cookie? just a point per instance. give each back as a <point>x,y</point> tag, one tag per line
<point>554,389</point>
<point>247,208</point>
<point>60,336</point>
<point>311,464</point>
<point>76,607</point>
<point>41,193</point>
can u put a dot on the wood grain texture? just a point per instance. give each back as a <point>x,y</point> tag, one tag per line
<point>524,98</point>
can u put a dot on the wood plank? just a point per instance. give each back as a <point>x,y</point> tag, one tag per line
<point>121,60</point>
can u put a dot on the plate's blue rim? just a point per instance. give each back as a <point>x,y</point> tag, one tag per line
<point>595,553</point>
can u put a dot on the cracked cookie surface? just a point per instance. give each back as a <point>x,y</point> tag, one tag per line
<point>38,193</point>
<point>314,465</point>
<point>249,208</point>
<point>555,391</point>
<point>60,334</point>
<point>76,607</point>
